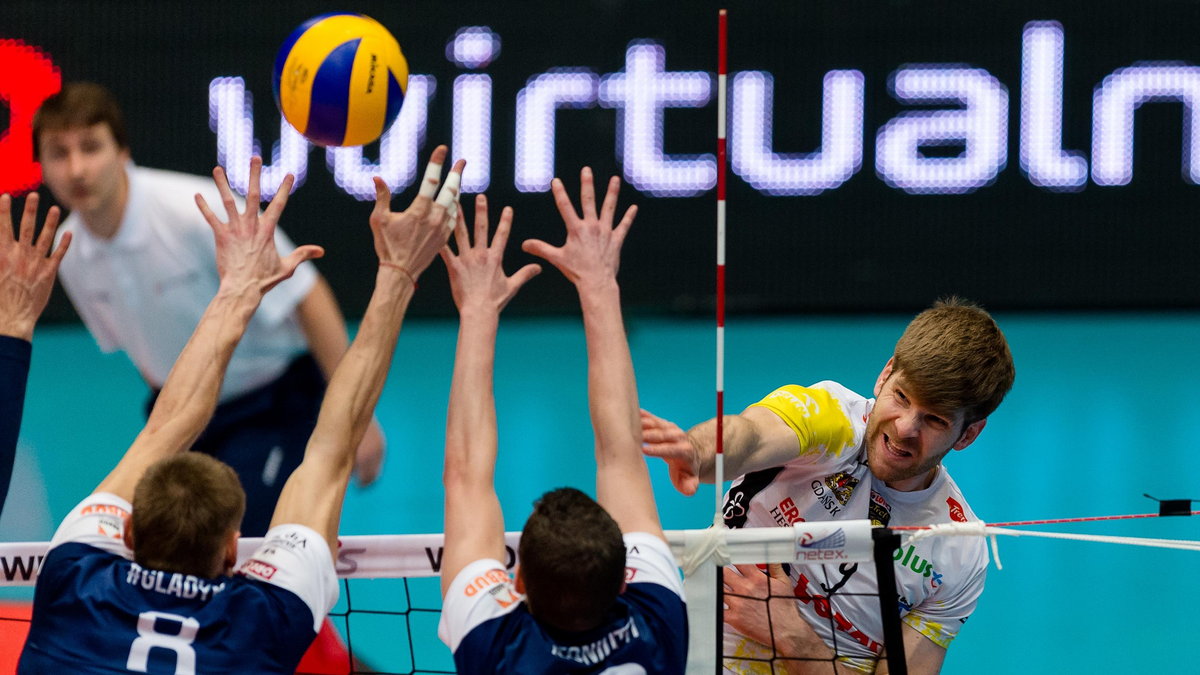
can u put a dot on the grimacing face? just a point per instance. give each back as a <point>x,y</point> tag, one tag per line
<point>84,168</point>
<point>906,439</point>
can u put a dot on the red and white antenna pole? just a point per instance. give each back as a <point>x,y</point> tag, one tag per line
<point>722,42</point>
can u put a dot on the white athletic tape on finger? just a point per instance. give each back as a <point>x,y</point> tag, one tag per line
<point>449,193</point>
<point>433,176</point>
<point>452,214</point>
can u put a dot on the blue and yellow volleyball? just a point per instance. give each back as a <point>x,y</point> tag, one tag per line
<point>340,79</point>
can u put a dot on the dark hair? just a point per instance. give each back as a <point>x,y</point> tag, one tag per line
<point>572,560</point>
<point>79,104</point>
<point>956,358</point>
<point>184,509</point>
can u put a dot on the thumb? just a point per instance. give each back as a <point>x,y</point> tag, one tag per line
<point>775,570</point>
<point>288,264</point>
<point>540,248</point>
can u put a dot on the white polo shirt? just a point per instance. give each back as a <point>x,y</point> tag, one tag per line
<point>144,290</point>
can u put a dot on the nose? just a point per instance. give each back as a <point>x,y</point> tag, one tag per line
<point>908,425</point>
<point>74,165</point>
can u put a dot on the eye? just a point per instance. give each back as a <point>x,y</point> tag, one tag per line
<point>900,396</point>
<point>937,422</point>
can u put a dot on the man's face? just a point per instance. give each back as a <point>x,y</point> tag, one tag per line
<point>84,167</point>
<point>906,439</point>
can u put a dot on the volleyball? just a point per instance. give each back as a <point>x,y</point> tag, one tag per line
<point>340,79</point>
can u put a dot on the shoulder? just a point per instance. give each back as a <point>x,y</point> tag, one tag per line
<point>827,417</point>
<point>296,559</point>
<point>481,593</point>
<point>648,560</point>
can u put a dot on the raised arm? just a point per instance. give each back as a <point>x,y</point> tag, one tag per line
<point>406,243</point>
<point>756,439</point>
<point>27,271</point>
<point>590,259</point>
<point>324,329</point>
<point>249,266</point>
<point>474,522</point>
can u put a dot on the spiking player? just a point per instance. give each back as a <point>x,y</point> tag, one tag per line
<point>593,601</point>
<point>826,453</point>
<point>174,608</point>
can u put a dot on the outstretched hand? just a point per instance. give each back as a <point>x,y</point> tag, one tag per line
<point>246,253</point>
<point>477,278</point>
<point>665,440</point>
<point>409,240</point>
<point>27,267</point>
<point>592,252</point>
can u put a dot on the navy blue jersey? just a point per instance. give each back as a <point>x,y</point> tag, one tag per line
<point>96,611</point>
<point>486,624</point>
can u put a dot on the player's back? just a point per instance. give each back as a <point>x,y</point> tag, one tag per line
<point>97,612</point>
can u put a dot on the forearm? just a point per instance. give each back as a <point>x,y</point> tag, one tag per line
<point>323,326</point>
<point>612,389</point>
<point>356,383</point>
<point>741,439</point>
<point>471,419</point>
<point>189,396</point>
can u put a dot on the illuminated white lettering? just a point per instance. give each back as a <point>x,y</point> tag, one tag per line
<point>980,126</point>
<point>1124,91</point>
<point>838,158</point>
<point>1042,156</point>
<point>473,47</point>
<point>640,93</point>
<point>536,103</point>
<point>231,116</point>
<point>398,147</point>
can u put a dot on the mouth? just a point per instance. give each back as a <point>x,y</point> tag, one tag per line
<point>894,450</point>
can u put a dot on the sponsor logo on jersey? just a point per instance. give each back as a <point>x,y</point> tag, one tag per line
<point>804,404</point>
<point>878,510</point>
<point>786,513</point>
<point>826,497</point>
<point>824,609</point>
<point>630,573</point>
<point>259,569</point>
<point>957,514</point>
<point>739,496</point>
<point>596,652</point>
<point>106,509</point>
<point>842,485</point>
<point>503,595</point>
<point>909,560</point>
<point>484,581</point>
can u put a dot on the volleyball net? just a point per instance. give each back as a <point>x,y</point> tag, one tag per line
<point>390,600</point>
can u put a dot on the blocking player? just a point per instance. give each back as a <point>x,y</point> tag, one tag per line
<point>596,588</point>
<point>27,270</point>
<point>826,453</point>
<point>174,607</point>
<point>143,271</point>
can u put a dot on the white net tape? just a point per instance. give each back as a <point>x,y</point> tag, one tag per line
<point>700,554</point>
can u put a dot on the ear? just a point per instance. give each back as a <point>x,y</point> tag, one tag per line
<point>624,587</point>
<point>127,531</point>
<point>884,375</point>
<point>970,433</point>
<point>231,551</point>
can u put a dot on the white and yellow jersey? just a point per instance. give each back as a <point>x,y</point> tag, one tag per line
<point>938,579</point>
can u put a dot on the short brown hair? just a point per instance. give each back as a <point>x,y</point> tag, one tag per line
<point>572,560</point>
<point>79,105</point>
<point>955,358</point>
<point>184,508</point>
